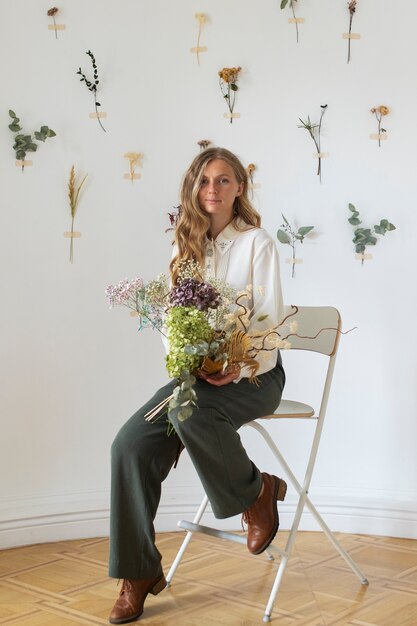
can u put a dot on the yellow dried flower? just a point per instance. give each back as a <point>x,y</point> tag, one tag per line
<point>383,110</point>
<point>373,110</point>
<point>229,74</point>
<point>200,17</point>
<point>251,168</point>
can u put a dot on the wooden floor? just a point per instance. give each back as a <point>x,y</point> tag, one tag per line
<point>218,583</point>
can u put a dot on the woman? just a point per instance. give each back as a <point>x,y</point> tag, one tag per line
<point>219,229</point>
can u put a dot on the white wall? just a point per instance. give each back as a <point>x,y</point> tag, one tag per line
<point>72,371</point>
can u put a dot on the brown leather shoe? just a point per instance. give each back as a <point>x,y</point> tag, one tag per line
<point>262,518</point>
<point>129,604</point>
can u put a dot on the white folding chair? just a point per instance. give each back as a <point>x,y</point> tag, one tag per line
<point>318,331</point>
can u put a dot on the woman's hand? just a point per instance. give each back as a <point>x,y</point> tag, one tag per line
<point>222,378</point>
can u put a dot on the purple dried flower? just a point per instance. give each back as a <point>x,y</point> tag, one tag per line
<point>190,292</point>
<point>125,289</point>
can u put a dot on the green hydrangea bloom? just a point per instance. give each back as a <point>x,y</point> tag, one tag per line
<point>185,325</point>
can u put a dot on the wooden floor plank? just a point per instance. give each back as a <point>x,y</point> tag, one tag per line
<point>217,584</point>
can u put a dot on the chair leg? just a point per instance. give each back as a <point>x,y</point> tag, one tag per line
<point>186,541</point>
<point>330,536</point>
<point>305,500</point>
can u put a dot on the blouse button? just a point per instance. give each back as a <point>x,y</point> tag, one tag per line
<point>209,252</point>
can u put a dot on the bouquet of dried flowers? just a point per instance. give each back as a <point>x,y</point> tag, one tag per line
<point>379,113</point>
<point>206,325</point>
<point>228,78</point>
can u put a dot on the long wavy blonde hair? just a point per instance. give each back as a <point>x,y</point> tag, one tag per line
<point>194,223</point>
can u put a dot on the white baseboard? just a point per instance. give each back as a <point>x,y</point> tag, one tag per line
<point>84,515</point>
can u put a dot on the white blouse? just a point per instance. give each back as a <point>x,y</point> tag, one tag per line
<point>244,258</point>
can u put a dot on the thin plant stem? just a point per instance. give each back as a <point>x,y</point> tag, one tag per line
<point>98,117</point>
<point>293,260</point>
<point>350,31</point>
<point>379,128</point>
<point>293,12</point>
<point>198,42</point>
<point>56,33</point>
<point>71,257</point>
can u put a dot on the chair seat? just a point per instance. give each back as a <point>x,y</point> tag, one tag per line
<point>290,408</point>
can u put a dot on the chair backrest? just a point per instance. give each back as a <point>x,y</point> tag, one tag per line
<point>318,328</point>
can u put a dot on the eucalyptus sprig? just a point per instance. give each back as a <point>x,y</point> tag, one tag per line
<point>25,143</point>
<point>291,5</point>
<point>366,236</point>
<point>287,235</point>
<point>314,131</point>
<point>74,196</point>
<point>92,85</point>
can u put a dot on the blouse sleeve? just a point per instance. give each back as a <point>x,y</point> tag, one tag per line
<point>267,302</point>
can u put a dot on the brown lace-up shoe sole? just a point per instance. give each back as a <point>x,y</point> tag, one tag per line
<point>129,604</point>
<point>262,518</point>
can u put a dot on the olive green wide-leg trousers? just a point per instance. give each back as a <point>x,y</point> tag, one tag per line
<point>142,455</point>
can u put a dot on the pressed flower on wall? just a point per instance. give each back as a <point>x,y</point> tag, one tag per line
<point>52,12</point>
<point>379,113</point>
<point>92,85</point>
<point>366,236</point>
<point>228,78</point>
<point>295,20</point>
<point>204,144</point>
<point>25,143</point>
<point>250,172</point>
<point>314,131</point>
<point>202,19</point>
<point>174,217</point>
<point>288,235</point>
<point>352,11</point>
<point>74,197</point>
<point>135,160</point>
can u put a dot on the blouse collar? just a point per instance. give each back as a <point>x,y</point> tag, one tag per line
<point>226,237</point>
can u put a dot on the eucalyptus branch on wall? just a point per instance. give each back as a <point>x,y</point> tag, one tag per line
<point>74,197</point>
<point>363,236</point>
<point>314,130</point>
<point>92,85</point>
<point>292,20</point>
<point>25,143</point>
<point>288,235</point>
